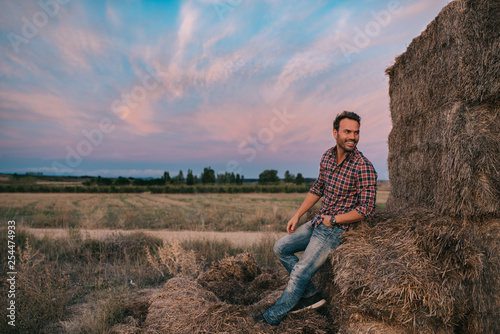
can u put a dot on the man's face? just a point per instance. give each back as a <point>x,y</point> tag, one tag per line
<point>347,136</point>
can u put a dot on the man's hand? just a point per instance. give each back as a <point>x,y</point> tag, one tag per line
<point>327,220</point>
<point>292,223</point>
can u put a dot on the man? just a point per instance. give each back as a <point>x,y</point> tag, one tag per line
<point>347,183</point>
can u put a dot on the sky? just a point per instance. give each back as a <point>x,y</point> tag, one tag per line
<point>136,88</point>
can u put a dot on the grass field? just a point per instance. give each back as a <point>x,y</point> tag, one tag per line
<point>82,258</point>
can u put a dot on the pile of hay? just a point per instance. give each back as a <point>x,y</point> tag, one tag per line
<point>183,306</point>
<point>416,272</point>
<point>238,280</point>
<point>444,149</point>
<point>224,299</point>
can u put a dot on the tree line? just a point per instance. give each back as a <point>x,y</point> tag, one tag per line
<point>207,177</point>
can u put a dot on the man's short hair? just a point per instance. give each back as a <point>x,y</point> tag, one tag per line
<point>345,114</point>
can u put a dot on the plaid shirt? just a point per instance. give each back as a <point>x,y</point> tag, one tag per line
<point>345,187</point>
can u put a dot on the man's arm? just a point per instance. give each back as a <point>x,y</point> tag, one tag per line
<point>308,203</point>
<point>344,218</point>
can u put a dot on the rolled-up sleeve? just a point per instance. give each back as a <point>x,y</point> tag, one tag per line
<point>366,188</point>
<point>318,187</point>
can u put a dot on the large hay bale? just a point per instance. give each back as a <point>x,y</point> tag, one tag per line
<point>444,149</point>
<point>420,272</point>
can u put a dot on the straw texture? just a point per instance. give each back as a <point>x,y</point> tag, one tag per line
<point>444,149</point>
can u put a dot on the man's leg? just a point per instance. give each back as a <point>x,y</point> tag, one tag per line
<point>285,249</point>
<point>324,239</point>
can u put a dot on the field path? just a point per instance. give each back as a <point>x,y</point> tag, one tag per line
<point>236,238</point>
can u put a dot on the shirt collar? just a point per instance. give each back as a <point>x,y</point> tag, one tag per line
<point>351,156</point>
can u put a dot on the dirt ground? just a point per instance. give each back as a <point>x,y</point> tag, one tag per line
<point>236,238</point>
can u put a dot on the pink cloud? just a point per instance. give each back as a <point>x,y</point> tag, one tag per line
<point>39,106</point>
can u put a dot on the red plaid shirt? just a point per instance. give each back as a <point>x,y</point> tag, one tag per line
<point>345,187</point>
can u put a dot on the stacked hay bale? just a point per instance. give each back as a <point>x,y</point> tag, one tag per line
<point>416,272</point>
<point>431,263</point>
<point>444,149</point>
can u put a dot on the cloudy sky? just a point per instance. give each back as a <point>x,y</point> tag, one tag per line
<point>135,88</point>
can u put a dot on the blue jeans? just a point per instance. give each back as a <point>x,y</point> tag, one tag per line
<point>317,243</point>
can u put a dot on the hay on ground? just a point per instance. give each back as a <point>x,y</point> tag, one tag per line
<point>185,306</point>
<point>444,92</point>
<point>238,280</point>
<point>241,267</point>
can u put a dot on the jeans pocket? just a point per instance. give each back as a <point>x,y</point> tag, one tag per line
<point>328,230</point>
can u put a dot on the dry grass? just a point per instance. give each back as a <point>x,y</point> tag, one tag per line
<point>173,260</point>
<point>75,285</point>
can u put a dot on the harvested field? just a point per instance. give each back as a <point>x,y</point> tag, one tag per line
<point>196,212</point>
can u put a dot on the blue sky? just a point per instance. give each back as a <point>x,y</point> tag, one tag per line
<point>135,88</point>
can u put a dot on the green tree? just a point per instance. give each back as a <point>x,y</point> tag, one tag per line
<point>121,181</point>
<point>289,178</point>
<point>269,176</point>
<point>180,177</point>
<point>190,178</point>
<point>299,180</point>
<point>104,181</point>
<point>166,177</point>
<point>208,176</point>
